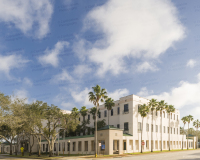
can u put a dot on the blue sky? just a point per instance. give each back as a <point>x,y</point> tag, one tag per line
<point>56,51</point>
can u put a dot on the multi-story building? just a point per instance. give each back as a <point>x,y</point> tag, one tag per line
<point>123,135</point>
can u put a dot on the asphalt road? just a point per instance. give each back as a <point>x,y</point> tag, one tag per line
<point>179,155</point>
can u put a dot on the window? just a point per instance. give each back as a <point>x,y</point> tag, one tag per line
<point>63,146</point>
<point>99,114</point>
<point>118,126</point>
<point>147,127</point>
<point>126,108</point>
<point>174,131</point>
<point>167,129</point>
<point>139,126</point>
<point>68,146</point>
<point>54,146</point>
<point>160,113</point>
<point>59,146</point>
<point>111,112</point>
<point>43,147</point>
<point>86,145</point>
<point>105,113</point>
<point>152,128</point>
<point>163,129</point>
<point>156,113</point>
<point>163,114</point>
<point>47,147</point>
<point>74,146</point>
<point>118,110</point>
<point>79,146</point>
<point>126,126</point>
<point>156,128</point>
<point>171,115</point>
<point>174,116</point>
<point>177,117</point>
<point>171,130</point>
<point>139,106</point>
<point>177,130</point>
<point>88,117</point>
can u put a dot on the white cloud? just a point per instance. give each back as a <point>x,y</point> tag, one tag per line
<point>191,63</point>
<point>82,97</point>
<point>130,29</point>
<point>51,56</point>
<point>81,70</point>
<point>64,76</point>
<point>30,16</point>
<point>186,95</point>
<point>22,94</point>
<point>27,81</point>
<point>10,62</point>
<point>145,66</point>
<point>118,93</point>
<point>144,92</point>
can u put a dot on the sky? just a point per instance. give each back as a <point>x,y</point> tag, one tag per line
<point>56,51</point>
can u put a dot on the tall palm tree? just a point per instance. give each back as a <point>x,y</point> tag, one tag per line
<point>189,119</point>
<point>170,109</point>
<point>196,124</point>
<point>143,110</point>
<point>83,112</point>
<point>152,105</point>
<point>184,119</point>
<point>97,95</point>
<point>161,106</point>
<point>109,103</point>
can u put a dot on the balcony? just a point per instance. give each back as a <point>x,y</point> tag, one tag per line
<point>125,111</point>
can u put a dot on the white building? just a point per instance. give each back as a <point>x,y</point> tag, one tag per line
<point>124,133</point>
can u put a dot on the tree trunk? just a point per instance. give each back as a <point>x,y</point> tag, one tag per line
<point>51,148</point>
<point>152,133</point>
<point>11,148</point>
<point>96,145</point>
<point>182,136</point>
<point>108,117</point>
<point>188,135</point>
<point>141,133</point>
<point>169,131</point>
<point>161,132</point>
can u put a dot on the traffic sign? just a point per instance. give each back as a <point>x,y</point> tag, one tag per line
<point>143,143</point>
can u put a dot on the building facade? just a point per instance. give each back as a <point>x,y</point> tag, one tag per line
<point>123,135</point>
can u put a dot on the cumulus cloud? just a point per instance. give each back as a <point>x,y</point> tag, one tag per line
<point>130,29</point>
<point>191,63</point>
<point>81,70</point>
<point>146,66</point>
<point>67,105</point>
<point>83,98</point>
<point>144,92</point>
<point>30,16</point>
<point>9,62</point>
<point>63,76</point>
<point>51,56</point>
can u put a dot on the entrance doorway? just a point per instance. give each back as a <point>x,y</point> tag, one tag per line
<point>115,146</point>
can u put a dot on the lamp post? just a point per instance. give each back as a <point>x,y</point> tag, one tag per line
<point>69,148</point>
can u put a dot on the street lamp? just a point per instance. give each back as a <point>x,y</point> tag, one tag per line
<point>69,148</point>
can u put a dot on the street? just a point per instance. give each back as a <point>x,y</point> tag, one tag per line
<point>179,155</point>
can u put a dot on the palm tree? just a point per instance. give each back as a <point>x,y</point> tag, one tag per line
<point>97,95</point>
<point>169,109</point>
<point>161,107</point>
<point>184,119</point>
<point>196,124</point>
<point>83,112</point>
<point>109,103</point>
<point>152,105</point>
<point>93,112</point>
<point>189,119</point>
<point>143,110</point>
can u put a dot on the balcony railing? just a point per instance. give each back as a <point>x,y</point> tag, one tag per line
<point>126,112</point>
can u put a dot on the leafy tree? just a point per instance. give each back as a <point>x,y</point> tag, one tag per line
<point>152,105</point>
<point>196,124</point>
<point>12,119</point>
<point>97,95</point>
<point>184,119</point>
<point>170,109</point>
<point>189,119</point>
<point>109,104</point>
<point>83,112</point>
<point>161,106</point>
<point>143,110</point>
